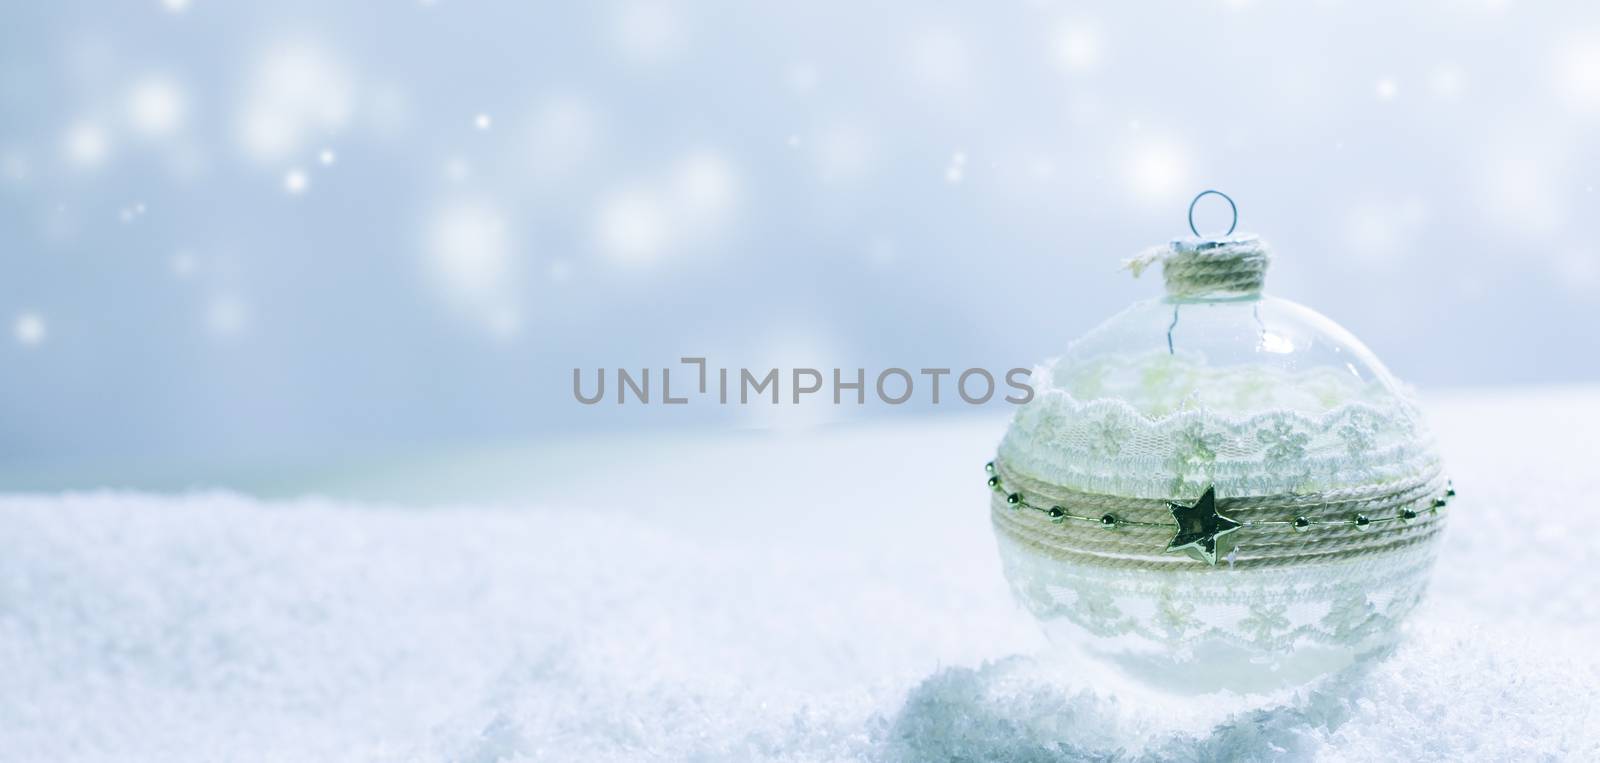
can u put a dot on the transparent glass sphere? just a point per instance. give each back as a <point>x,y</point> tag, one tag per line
<point>1253,395</point>
<point>1231,355</point>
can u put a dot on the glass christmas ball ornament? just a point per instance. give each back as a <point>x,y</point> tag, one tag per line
<point>1218,489</point>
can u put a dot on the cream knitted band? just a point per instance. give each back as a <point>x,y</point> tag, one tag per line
<point>1272,531</point>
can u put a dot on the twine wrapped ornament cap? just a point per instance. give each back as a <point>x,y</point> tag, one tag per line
<point>1218,472</point>
<point>1194,267</point>
<point>1227,265</point>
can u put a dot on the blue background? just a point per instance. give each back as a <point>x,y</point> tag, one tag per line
<point>281,232</point>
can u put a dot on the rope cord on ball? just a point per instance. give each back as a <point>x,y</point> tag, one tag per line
<point>1281,529</point>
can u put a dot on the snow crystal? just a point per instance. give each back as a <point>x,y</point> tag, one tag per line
<point>648,32</point>
<point>296,90</point>
<point>471,261</point>
<point>1577,72</point>
<point>563,133</point>
<point>184,264</point>
<point>470,253</point>
<point>705,190</point>
<point>86,144</point>
<point>940,60</point>
<point>14,165</point>
<point>29,329</point>
<point>295,181</point>
<point>956,170</point>
<point>1079,46</point>
<point>644,220</point>
<point>156,106</point>
<point>1447,81</point>
<point>1156,169</point>
<point>803,77</point>
<point>226,315</point>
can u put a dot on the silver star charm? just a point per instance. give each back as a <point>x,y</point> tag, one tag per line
<point>1202,532</point>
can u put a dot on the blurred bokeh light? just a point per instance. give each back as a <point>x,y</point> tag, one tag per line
<point>239,231</point>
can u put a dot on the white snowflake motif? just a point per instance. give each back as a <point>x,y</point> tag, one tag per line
<point>1265,621</point>
<point>1403,601</point>
<point>1047,423</point>
<point>1195,445</point>
<point>1350,615</point>
<point>1037,595</point>
<point>1098,611</point>
<point>1175,616</point>
<point>1359,431</point>
<point>1106,437</point>
<point>1028,415</point>
<point>1284,442</point>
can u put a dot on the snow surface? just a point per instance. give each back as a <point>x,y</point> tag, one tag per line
<point>821,596</point>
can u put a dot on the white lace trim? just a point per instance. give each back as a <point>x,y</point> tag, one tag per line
<point>1353,603</point>
<point>1106,445</point>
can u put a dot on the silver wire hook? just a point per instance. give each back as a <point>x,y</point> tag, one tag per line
<point>1231,206</point>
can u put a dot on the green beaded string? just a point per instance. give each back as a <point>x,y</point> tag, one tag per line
<point>1060,514</point>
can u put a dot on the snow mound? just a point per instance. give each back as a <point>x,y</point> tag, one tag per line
<point>1457,694</point>
<point>663,624</point>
